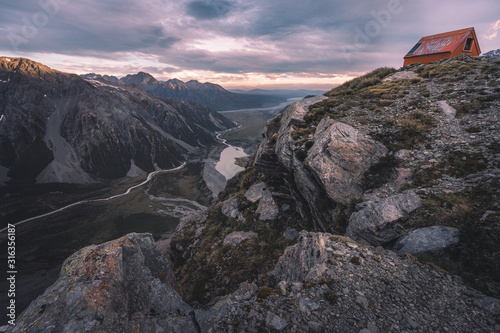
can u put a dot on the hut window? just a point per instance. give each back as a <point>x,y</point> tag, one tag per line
<point>415,48</point>
<point>468,44</point>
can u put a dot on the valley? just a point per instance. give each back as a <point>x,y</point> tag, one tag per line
<point>53,220</point>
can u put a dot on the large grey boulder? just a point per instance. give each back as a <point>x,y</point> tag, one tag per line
<point>255,192</point>
<point>125,285</point>
<point>427,239</point>
<point>378,222</point>
<point>230,209</point>
<point>267,208</point>
<point>340,157</point>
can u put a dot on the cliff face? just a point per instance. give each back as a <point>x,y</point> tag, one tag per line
<point>57,127</point>
<point>398,161</point>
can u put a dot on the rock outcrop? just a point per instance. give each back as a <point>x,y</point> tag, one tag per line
<point>125,285</point>
<point>433,238</point>
<point>325,283</point>
<point>340,157</point>
<point>353,288</point>
<point>379,222</point>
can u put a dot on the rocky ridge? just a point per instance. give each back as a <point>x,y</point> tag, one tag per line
<point>211,95</point>
<point>428,167</point>
<point>57,127</point>
<point>324,283</point>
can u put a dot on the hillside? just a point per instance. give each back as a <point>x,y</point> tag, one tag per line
<point>371,209</point>
<point>58,127</point>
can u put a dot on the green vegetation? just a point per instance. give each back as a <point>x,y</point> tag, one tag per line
<point>380,173</point>
<point>368,80</point>
<point>212,268</point>
<point>301,154</point>
<point>447,71</point>
<point>476,258</point>
<point>408,132</point>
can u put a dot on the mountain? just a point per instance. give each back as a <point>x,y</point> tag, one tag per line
<point>208,94</point>
<point>345,221</point>
<point>492,53</point>
<point>58,127</point>
<point>94,76</point>
<point>286,93</point>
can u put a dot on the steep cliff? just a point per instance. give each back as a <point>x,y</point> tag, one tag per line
<point>57,127</point>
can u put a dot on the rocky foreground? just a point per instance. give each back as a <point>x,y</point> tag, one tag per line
<point>403,164</point>
<point>324,283</point>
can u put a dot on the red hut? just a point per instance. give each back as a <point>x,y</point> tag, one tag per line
<point>445,45</point>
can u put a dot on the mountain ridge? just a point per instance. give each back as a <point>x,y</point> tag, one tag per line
<point>71,129</point>
<point>207,93</point>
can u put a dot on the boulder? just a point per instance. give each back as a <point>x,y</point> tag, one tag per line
<point>274,322</point>
<point>303,261</point>
<point>230,209</point>
<point>340,157</point>
<point>378,222</point>
<point>427,239</point>
<point>255,192</point>
<point>237,237</point>
<point>268,209</point>
<point>125,285</point>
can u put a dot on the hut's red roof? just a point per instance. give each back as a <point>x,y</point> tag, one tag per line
<point>441,43</point>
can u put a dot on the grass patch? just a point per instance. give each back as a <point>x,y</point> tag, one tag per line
<point>408,133</point>
<point>367,80</point>
<point>476,257</point>
<point>380,173</point>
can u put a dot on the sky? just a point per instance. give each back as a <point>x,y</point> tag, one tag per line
<point>286,44</point>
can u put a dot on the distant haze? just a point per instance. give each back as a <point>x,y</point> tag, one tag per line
<point>235,43</point>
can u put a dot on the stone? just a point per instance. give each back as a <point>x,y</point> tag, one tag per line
<point>426,239</point>
<point>449,111</point>
<point>255,192</point>
<point>282,287</point>
<point>491,304</point>
<point>340,157</point>
<point>307,305</point>
<point>303,261</point>
<point>401,75</point>
<point>99,281</point>
<point>237,237</point>
<point>372,328</point>
<point>267,208</point>
<point>230,209</point>
<point>377,223</point>
<point>274,322</point>
<point>314,326</point>
<point>291,234</point>
<point>362,302</point>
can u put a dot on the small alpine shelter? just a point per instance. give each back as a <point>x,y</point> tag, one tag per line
<point>446,45</point>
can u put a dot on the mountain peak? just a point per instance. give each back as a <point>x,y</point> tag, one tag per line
<point>26,66</point>
<point>492,53</point>
<point>138,79</point>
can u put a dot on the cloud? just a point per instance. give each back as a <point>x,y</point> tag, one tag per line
<point>492,31</point>
<point>208,9</point>
<point>234,38</point>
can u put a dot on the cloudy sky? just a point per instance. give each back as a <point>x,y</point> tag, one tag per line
<point>235,43</point>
